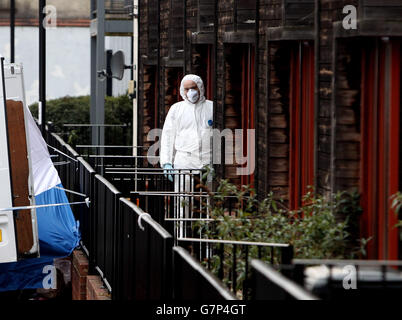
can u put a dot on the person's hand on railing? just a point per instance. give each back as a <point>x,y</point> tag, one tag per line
<point>167,170</point>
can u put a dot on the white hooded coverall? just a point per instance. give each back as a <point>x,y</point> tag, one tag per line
<point>186,144</point>
<point>186,133</point>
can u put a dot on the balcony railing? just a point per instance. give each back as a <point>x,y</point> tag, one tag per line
<point>137,257</point>
<point>140,254</point>
<point>349,279</point>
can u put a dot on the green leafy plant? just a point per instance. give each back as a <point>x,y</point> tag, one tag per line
<point>396,205</point>
<point>321,229</point>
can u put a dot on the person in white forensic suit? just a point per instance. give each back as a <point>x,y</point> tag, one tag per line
<point>186,140</point>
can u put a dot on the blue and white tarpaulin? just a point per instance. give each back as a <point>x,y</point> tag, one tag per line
<point>57,228</point>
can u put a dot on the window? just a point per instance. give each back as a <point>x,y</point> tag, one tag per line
<point>301,122</point>
<point>239,103</point>
<point>173,77</point>
<point>150,103</point>
<point>203,66</point>
<point>380,147</point>
<point>247,107</point>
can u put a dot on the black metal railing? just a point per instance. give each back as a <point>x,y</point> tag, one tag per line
<point>193,282</point>
<point>106,208</point>
<point>230,260</point>
<point>349,279</point>
<point>79,134</point>
<point>269,284</point>
<point>139,259</point>
<point>87,150</point>
<point>129,250</point>
<point>85,185</point>
<point>65,160</point>
<point>144,259</point>
<point>133,253</point>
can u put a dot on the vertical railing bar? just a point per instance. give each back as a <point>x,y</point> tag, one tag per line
<point>234,272</point>
<point>272,255</point>
<point>222,255</point>
<point>246,275</point>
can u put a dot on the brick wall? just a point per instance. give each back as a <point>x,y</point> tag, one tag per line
<point>79,273</point>
<point>84,286</point>
<point>95,289</point>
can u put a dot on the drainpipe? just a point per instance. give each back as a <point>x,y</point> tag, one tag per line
<point>135,76</point>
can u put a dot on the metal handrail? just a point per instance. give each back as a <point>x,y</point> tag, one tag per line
<point>94,125</point>
<point>396,263</point>
<point>118,156</point>
<point>212,280</point>
<point>108,146</point>
<point>242,243</point>
<point>147,218</point>
<point>274,278</point>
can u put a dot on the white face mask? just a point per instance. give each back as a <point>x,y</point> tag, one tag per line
<point>192,95</point>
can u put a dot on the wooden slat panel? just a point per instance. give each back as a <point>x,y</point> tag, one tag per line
<point>245,15</point>
<point>206,12</point>
<point>246,4</point>
<point>382,3</point>
<point>295,11</point>
<point>383,12</point>
<point>152,25</point>
<point>19,174</point>
<point>176,31</point>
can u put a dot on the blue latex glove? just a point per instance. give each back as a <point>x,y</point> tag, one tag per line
<point>168,168</point>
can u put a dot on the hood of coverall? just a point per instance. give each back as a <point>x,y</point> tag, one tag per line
<point>199,83</point>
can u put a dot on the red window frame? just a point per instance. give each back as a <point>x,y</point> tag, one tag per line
<point>380,119</point>
<point>248,104</point>
<point>301,116</point>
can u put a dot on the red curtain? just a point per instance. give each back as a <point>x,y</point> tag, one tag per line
<point>380,117</point>
<point>301,131</point>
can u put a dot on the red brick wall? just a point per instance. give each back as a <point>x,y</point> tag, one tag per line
<point>84,286</point>
<point>95,289</point>
<point>79,273</point>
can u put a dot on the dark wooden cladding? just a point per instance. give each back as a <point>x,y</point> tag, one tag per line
<point>19,175</point>
<point>348,131</point>
<point>246,13</point>
<point>211,35</point>
<point>377,9</point>
<point>153,32</point>
<point>278,118</point>
<point>296,12</point>
<point>176,29</point>
<point>206,15</point>
<point>149,108</point>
